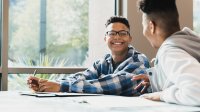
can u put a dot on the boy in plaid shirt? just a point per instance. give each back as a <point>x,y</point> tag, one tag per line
<point>110,75</point>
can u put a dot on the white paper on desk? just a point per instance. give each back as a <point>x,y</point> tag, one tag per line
<point>38,94</point>
<point>56,94</point>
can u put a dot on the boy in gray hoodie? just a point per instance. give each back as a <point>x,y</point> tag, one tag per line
<point>175,78</point>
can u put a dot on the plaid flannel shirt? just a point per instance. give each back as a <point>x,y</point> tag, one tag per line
<point>102,79</point>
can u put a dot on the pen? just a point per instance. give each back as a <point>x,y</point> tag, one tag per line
<point>34,81</point>
<point>34,72</point>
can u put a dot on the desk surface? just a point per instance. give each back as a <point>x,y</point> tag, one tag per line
<point>14,102</point>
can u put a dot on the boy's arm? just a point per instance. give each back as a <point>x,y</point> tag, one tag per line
<point>118,83</point>
<point>115,84</point>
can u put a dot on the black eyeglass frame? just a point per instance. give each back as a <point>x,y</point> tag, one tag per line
<point>118,33</point>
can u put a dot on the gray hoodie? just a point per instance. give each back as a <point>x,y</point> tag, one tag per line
<point>176,73</point>
<point>186,40</point>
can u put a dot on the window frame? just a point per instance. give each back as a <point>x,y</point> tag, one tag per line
<point>4,43</point>
<point>0,39</point>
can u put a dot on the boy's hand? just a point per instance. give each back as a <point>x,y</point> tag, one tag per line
<point>144,82</point>
<point>152,96</point>
<point>42,85</point>
<point>48,86</point>
<point>33,83</point>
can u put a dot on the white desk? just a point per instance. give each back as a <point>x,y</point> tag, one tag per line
<point>14,102</point>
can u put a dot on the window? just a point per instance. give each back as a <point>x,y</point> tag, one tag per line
<point>53,36</point>
<point>196,16</point>
<point>56,32</point>
<point>48,32</point>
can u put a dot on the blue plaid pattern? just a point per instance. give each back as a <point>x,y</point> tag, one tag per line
<point>102,79</point>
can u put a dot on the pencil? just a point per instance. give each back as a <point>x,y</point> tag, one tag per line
<point>35,71</point>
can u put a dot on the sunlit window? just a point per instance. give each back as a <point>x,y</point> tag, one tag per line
<point>196,16</point>
<point>48,32</point>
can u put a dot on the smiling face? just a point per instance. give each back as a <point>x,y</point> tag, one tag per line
<point>118,44</point>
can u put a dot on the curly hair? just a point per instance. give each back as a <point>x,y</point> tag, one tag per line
<point>120,19</point>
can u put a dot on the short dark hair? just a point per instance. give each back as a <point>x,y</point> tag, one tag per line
<point>153,6</point>
<point>164,11</point>
<point>120,19</point>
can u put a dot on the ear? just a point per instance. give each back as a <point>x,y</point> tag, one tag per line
<point>152,26</point>
<point>105,38</point>
<point>130,39</point>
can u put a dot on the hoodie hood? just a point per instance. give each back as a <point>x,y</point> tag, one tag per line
<point>187,40</point>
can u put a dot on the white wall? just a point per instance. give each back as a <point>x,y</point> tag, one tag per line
<point>99,12</point>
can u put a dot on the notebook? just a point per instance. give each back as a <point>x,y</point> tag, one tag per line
<point>56,94</point>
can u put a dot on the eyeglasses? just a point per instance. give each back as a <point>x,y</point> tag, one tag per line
<point>121,33</point>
